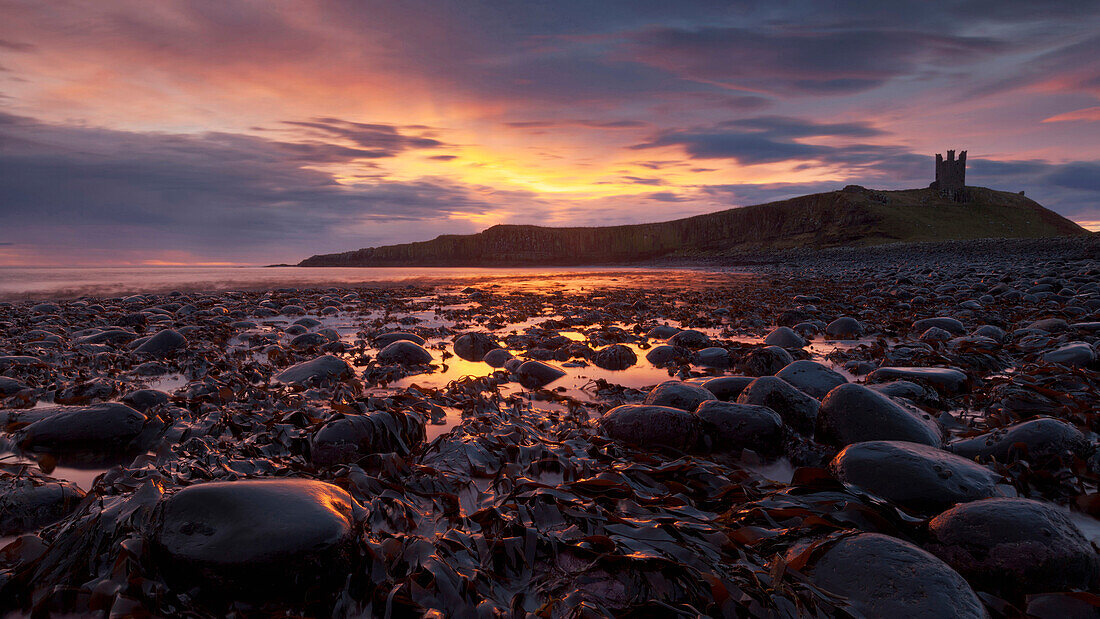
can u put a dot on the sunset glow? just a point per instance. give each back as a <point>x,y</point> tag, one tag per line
<point>255,132</point>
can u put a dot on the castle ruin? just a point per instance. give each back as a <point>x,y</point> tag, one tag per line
<point>951,176</point>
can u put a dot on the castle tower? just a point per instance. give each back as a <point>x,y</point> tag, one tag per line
<point>951,176</point>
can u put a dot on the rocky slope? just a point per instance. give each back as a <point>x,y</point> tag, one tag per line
<point>853,216</point>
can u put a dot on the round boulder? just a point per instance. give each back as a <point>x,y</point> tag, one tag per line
<point>733,427</point>
<point>322,369</point>
<point>1038,437</point>
<point>690,338</point>
<point>615,357</point>
<point>99,427</point>
<point>785,337</point>
<point>678,394</point>
<point>473,346</point>
<point>350,437</point>
<point>163,343</point>
<point>497,357</point>
<point>766,361</point>
<point>1014,546</point>
<point>797,409</point>
<point>652,426</point>
<point>853,413</point>
<point>28,503</point>
<point>269,535</point>
<point>404,352</point>
<point>844,328</point>
<point>914,476</point>
<point>533,374</point>
<point>385,339</point>
<point>882,576</point>
<point>811,377</point>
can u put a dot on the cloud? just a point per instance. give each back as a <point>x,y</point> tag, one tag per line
<point>384,140</point>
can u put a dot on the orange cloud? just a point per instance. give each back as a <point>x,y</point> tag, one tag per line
<point>1089,114</point>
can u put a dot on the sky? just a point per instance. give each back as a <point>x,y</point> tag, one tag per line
<point>255,132</point>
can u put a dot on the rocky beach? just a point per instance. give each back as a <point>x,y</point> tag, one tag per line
<point>905,430</point>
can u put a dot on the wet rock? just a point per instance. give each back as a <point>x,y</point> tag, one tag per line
<point>653,426</point>
<point>163,343</point>
<point>947,381</point>
<point>497,357</point>
<point>844,328</point>
<point>385,339</point>
<point>305,341</point>
<point>690,338</point>
<point>1074,353</point>
<point>473,346</point>
<point>99,428</point>
<point>678,394</point>
<point>351,437</point>
<point>270,536</point>
<point>726,388</point>
<point>853,413</point>
<point>144,399</point>
<point>811,377</point>
<point>10,386</point>
<point>951,325</point>
<point>713,357</point>
<point>797,409</point>
<point>785,337</point>
<point>935,334</point>
<point>322,369</point>
<point>662,332</point>
<point>1037,437</point>
<point>1013,546</point>
<point>533,374</point>
<point>914,476</point>
<point>733,427</point>
<point>766,361</point>
<point>30,502</point>
<point>665,354</point>
<point>882,576</point>
<point>615,357</point>
<point>1049,325</point>
<point>292,310</point>
<point>404,352</point>
<point>992,332</point>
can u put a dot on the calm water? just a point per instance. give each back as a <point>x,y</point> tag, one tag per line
<point>65,282</point>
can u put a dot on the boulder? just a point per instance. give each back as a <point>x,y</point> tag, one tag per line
<point>662,332</point>
<point>951,325</point>
<point>1074,353</point>
<point>797,409</point>
<point>844,328</point>
<point>690,338</point>
<point>785,337</point>
<point>726,388</point>
<point>163,343</point>
<point>766,361</point>
<point>678,394</point>
<point>733,427</point>
<point>534,374</point>
<point>882,576</point>
<point>811,377</point>
<point>1037,437</point>
<point>1014,546</point>
<point>652,426</point>
<point>269,537</point>
<point>853,413</point>
<point>321,369</point>
<point>99,427</point>
<point>28,502</point>
<point>665,354</point>
<point>348,438</point>
<point>404,352</point>
<point>473,346</point>
<point>615,357</point>
<point>914,476</point>
<point>947,381</point>
<point>712,357</point>
<point>144,399</point>
<point>385,339</point>
<point>497,357</point>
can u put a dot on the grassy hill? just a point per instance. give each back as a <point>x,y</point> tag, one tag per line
<point>852,216</point>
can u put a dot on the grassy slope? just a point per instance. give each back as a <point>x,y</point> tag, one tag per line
<point>836,218</point>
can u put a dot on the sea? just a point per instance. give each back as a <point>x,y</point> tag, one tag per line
<point>32,283</point>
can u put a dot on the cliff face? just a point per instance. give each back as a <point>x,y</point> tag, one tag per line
<point>850,217</point>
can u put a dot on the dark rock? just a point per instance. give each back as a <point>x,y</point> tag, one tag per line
<point>1037,437</point>
<point>473,346</point>
<point>726,388</point>
<point>1074,353</point>
<point>10,386</point>
<point>853,413</point>
<point>351,437</point>
<point>404,352</point>
<point>306,341</point>
<point>533,374</point>
<point>1050,325</point>
<point>144,399</point>
<point>322,369</point>
<point>653,426</point>
<point>497,357</point>
<point>844,328</point>
<point>99,427</point>
<point>785,337</point>
<point>811,377</point>
<point>615,357</point>
<point>662,332</point>
<point>797,409</point>
<point>678,394</point>
<point>256,536</point>
<point>914,476</point>
<point>28,502</point>
<point>882,576</point>
<point>665,354</point>
<point>690,338</point>
<point>733,427</point>
<point>1015,546</point>
<point>163,343</point>
<point>713,357</point>
<point>947,381</point>
<point>950,325</point>
<point>766,361</point>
